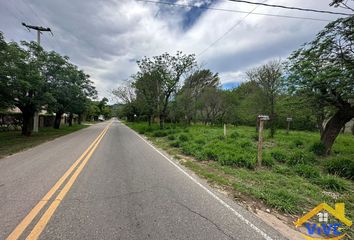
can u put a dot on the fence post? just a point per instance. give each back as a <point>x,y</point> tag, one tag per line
<point>261,118</point>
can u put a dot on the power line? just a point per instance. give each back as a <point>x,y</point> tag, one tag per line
<point>292,8</point>
<point>228,31</point>
<point>232,11</point>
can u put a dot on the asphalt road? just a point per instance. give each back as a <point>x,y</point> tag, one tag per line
<point>123,189</point>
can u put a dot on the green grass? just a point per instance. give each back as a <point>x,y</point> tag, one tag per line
<point>293,179</point>
<point>12,141</point>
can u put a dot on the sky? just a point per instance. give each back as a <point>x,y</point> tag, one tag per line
<point>105,38</point>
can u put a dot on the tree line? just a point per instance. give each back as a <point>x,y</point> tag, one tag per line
<point>314,86</point>
<point>33,80</point>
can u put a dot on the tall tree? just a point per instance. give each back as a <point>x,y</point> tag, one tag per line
<point>68,85</point>
<point>324,70</point>
<point>268,77</point>
<point>148,93</point>
<point>25,86</point>
<point>167,71</point>
<point>126,97</point>
<point>192,89</point>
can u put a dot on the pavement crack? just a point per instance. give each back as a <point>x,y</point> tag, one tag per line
<point>204,217</point>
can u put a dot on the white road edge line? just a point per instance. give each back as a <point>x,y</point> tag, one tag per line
<point>242,218</point>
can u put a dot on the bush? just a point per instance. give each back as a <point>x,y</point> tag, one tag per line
<point>298,143</point>
<point>246,160</point>
<point>149,129</point>
<point>171,137</point>
<point>267,160</point>
<point>340,166</point>
<point>301,157</point>
<point>183,138</point>
<point>234,135</point>
<point>318,148</point>
<point>254,137</point>
<point>200,141</point>
<point>279,155</point>
<point>332,183</point>
<point>175,144</point>
<point>307,171</point>
<point>159,134</point>
<point>189,148</point>
<point>211,154</point>
<point>245,144</point>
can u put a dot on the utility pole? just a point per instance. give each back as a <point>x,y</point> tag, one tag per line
<point>39,30</point>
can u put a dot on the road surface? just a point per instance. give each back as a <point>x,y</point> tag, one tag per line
<point>106,182</point>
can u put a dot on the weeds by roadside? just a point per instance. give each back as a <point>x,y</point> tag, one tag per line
<point>295,176</point>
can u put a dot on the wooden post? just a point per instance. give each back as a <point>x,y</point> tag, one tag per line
<point>260,142</point>
<point>224,130</point>
<point>288,128</point>
<point>261,118</point>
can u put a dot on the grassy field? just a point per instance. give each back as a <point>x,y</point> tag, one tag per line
<point>12,141</point>
<point>293,179</point>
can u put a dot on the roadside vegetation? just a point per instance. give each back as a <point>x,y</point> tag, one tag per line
<point>294,177</point>
<point>13,141</point>
<point>181,108</point>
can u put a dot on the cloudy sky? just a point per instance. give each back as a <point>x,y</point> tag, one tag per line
<point>105,38</point>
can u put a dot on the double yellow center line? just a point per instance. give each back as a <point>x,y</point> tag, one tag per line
<point>79,164</point>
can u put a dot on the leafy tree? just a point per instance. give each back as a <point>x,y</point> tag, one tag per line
<point>192,89</point>
<point>167,71</point>
<point>148,93</point>
<point>323,70</point>
<point>211,105</point>
<point>126,96</point>
<point>268,78</point>
<point>5,99</point>
<point>24,86</point>
<point>342,4</point>
<point>69,86</point>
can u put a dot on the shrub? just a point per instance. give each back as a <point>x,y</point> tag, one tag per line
<point>246,160</point>
<point>332,183</point>
<point>254,137</point>
<point>183,138</point>
<point>318,148</point>
<point>149,129</point>
<point>200,141</point>
<point>298,143</point>
<point>245,144</point>
<point>171,137</point>
<point>159,134</point>
<point>343,167</point>
<point>279,155</point>
<point>267,160</point>
<point>175,144</point>
<point>301,157</point>
<point>234,135</point>
<point>307,171</point>
<point>189,148</point>
<point>211,154</point>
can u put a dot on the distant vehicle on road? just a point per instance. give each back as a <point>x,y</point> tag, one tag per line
<point>101,118</point>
